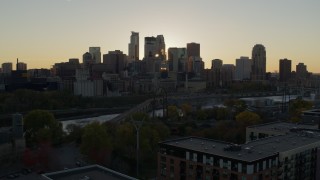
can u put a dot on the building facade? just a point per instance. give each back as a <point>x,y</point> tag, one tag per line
<point>243,68</point>
<point>96,54</point>
<point>177,59</point>
<point>258,63</point>
<point>154,47</point>
<point>116,61</point>
<point>133,52</point>
<point>7,67</point>
<point>291,156</point>
<point>216,64</point>
<point>301,71</point>
<point>284,70</point>
<point>193,49</point>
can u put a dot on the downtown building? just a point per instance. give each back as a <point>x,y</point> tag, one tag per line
<point>213,75</point>
<point>294,155</point>
<point>284,70</point>
<point>95,54</point>
<point>155,47</point>
<point>243,68</point>
<point>258,63</point>
<point>133,47</point>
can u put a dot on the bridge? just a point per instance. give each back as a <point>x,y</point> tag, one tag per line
<point>193,99</point>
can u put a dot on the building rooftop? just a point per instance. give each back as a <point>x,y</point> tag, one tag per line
<point>250,151</point>
<point>87,173</point>
<point>282,127</point>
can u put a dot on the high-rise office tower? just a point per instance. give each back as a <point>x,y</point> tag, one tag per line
<point>7,67</point>
<point>87,59</point>
<point>301,70</point>
<point>116,61</point>
<point>133,53</point>
<point>285,69</point>
<point>243,68</point>
<point>216,64</point>
<point>96,54</point>
<point>177,58</point>
<point>227,74</point>
<point>193,49</point>
<point>195,65</point>
<point>161,47</point>
<point>21,66</point>
<point>154,47</point>
<point>258,62</point>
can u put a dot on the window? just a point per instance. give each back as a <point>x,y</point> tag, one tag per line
<point>171,161</point>
<point>163,159</point>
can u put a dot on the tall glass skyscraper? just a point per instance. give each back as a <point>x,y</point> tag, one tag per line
<point>133,47</point>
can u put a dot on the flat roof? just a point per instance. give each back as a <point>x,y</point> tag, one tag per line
<point>250,151</point>
<point>87,173</point>
<point>282,126</point>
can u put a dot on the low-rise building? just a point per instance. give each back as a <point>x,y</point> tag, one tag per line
<point>87,173</point>
<point>290,156</point>
<point>274,129</point>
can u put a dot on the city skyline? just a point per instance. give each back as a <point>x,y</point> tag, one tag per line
<point>41,32</point>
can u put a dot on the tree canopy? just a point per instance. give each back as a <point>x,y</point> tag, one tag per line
<point>96,142</point>
<point>248,118</point>
<point>41,126</point>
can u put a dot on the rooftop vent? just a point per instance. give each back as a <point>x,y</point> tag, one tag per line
<point>249,150</point>
<point>233,147</point>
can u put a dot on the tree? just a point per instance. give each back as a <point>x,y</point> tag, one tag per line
<point>173,112</point>
<point>201,115</point>
<point>186,109</point>
<point>41,126</point>
<point>247,118</point>
<point>236,105</point>
<point>96,143</point>
<point>297,106</point>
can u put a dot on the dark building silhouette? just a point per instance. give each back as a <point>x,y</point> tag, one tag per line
<point>258,63</point>
<point>193,49</point>
<point>285,70</point>
<point>116,61</point>
<point>301,71</point>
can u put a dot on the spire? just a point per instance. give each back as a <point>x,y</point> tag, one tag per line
<point>17,64</point>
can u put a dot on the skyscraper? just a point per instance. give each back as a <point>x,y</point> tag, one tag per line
<point>133,47</point>
<point>243,68</point>
<point>285,69</point>
<point>154,47</point>
<point>96,54</point>
<point>301,70</point>
<point>193,49</point>
<point>177,58</point>
<point>87,59</point>
<point>258,62</point>
<point>216,64</point>
<point>21,66</point>
<point>7,67</point>
<point>116,61</point>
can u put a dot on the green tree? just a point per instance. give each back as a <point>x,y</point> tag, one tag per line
<point>296,107</point>
<point>40,125</point>
<point>173,112</point>
<point>247,118</point>
<point>96,143</point>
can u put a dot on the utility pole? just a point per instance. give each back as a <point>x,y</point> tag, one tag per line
<point>137,125</point>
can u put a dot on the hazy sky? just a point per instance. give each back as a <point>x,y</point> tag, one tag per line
<point>42,32</point>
